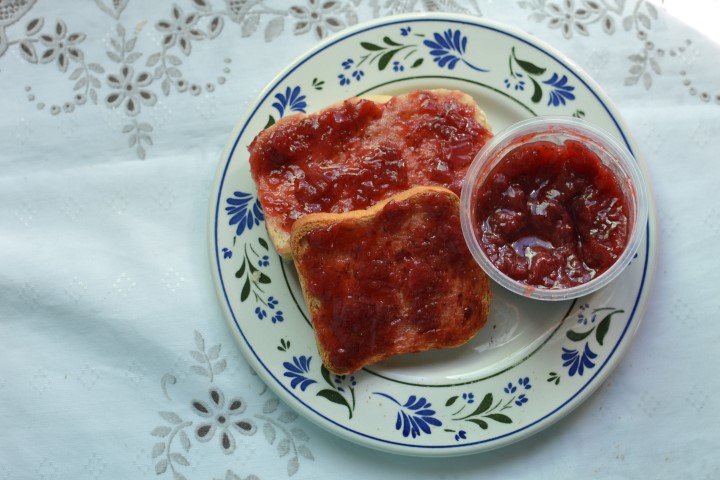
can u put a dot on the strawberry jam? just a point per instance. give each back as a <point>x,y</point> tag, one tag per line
<point>402,281</point>
<point>354,154</point>
<point>552,215</point>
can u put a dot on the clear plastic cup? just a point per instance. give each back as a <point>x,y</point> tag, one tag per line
<point>557,129</point>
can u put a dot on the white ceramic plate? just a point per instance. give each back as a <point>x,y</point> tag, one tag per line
<point>533,362</point>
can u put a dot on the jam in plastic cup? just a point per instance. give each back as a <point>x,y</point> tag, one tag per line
<point>557,130</point>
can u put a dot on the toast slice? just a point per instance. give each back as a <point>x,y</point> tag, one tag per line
<point>395,278</point>
<point>352,154</point>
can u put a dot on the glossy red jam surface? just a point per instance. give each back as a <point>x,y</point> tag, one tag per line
<point>384,282</point>
<point>352,155</point>
<point>552,215</point>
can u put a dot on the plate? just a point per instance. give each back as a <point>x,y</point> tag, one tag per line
<point>533,362</point>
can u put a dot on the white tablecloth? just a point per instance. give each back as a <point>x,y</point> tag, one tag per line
<point>114,116</point>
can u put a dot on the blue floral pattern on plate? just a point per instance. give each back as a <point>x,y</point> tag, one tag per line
<point>397,413</point>
<point>245,211</point>
<point>448,48</point>
<point>297,370</point>
<point>415,416</point>
<point>561,92</point>
<point>292,100</point>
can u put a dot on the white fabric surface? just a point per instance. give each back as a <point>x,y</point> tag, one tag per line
<point>108,317</point>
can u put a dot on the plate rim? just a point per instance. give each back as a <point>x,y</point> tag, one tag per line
<point>336,427</point>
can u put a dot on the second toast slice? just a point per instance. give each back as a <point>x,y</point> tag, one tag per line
<point>395,278</point>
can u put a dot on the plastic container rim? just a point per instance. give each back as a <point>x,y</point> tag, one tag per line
<point>556,128</point>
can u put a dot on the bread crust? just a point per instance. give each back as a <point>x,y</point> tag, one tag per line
<point>279,234</point>
<point>457,321</point>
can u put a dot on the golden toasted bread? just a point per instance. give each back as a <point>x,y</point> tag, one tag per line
<point>394,278</point>
<point>352,154</point>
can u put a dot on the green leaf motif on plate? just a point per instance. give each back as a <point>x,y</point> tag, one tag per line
<point>560,91</point>
<point>578,360</point>
<point>383,54</point>
<point>284,345</point>
<point>489,409</point>
<point>318,84</point>
<point>341,389</point>
<point>254,279</point>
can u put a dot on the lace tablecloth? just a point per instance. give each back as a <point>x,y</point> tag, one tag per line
<point>114,116</point>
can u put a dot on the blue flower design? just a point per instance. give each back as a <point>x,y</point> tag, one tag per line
<point>582,318</point>
<point>346,78</point>
<point>521,400</point>
<point>525,382</point>
<point>297,370</point>
<point>264,261</point>
<point>278,317</point>
<point>577,362</point>
<point>341,380</point>
<point>272,302</point>
<point>518,85</point>
<point>448,48</point>
<point>418,418</point>
<point>510,388</point>
<point>405,31</point>
<point>260,312</point>
<point>561,92</point>
<point>444,47</point>
<point>292,99</point>
<point>468,397</point>
<point>227,253</point>
<point>343,80</point>
<point>244,212</point>
<point>397,66</point>
<point>461,435</point>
